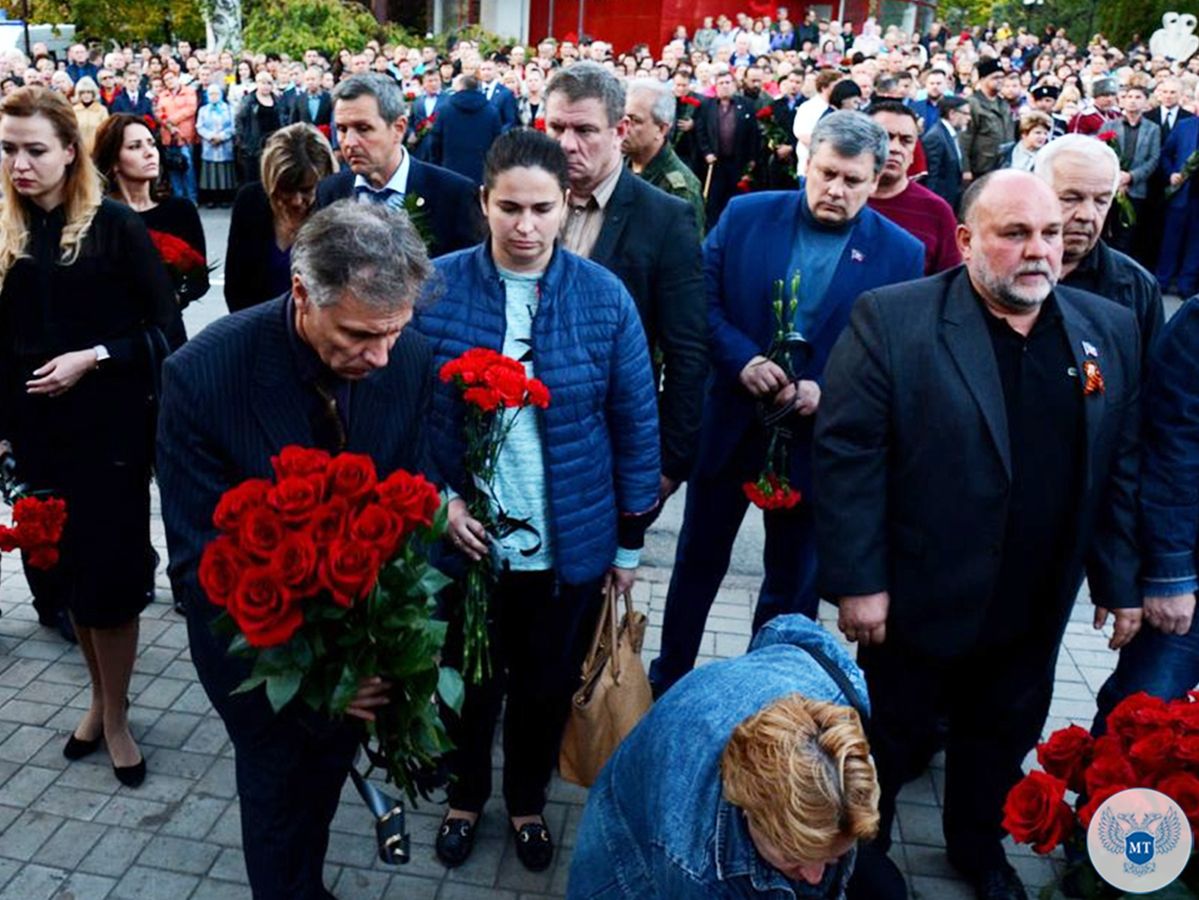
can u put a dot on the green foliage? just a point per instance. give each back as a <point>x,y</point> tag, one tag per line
<point>293,26</point>
<point>1117,20</point>
<point>488,41</point>
<point>124,21</point>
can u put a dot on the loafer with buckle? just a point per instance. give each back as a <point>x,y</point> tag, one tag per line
<point>455,841</point>
<point>534,847</point>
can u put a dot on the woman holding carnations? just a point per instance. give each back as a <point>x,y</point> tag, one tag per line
<point>581,475</point>
<point>83,296</point>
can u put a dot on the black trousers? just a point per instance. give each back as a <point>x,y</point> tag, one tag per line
<point>540,630</point>
<point>996,699</point>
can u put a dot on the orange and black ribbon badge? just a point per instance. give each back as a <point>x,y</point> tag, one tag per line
<point>1092,378</point>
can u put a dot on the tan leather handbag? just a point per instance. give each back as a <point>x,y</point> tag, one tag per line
<point>614,695</point>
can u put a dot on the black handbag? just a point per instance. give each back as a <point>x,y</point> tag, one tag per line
<point>174,159</point>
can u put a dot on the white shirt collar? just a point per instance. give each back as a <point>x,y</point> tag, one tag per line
<point>398,181</point>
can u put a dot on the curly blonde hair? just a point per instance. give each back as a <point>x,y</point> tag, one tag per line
<point>82,193</point>
<point>801,771</point>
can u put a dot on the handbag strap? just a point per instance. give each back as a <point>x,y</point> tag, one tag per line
<point>841,680</point>
<point>609,624</point>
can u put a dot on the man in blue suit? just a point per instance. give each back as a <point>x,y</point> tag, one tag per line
<point>497,95</point>
<point>371,119</point>
<point>133,99</point>
<point>839,247</point>
<point>1179,259</point>
<point>425,110</point>
<point>328,365</point>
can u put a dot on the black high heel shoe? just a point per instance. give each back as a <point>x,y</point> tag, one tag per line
<point>131,776</point>
<point>77,748</point>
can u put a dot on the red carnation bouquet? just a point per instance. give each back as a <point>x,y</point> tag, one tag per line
<point>687,106</point>
<point>495,388</point>
<point>789,350</point>
<point>323,572</point>
<point>1150,743</point>
<point>37,522</point>
<point>183,262</point>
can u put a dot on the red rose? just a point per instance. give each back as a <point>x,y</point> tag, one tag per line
<point>295,497</point>
<point>328,522</point>
<point>539,394</point>
<point>236,501</point>
<point>349,570</point>
<point>265,610</point>
<point>260,532</point>
<point>539,124</point>
<point>39,522</point>
<point>220,569</point>
<point>1183,789</point>
<point>688,100</point>
<point>1153,755</point>
<point>410,497</point>
<point>1138,715</point>
<point>1066,754</point>
<point>294,564</point>
<point>351,475</point>
<point>1035,813</point>
<point>743,185</point>
<point>1108,766</point>
<point>378,526</point>
<point>299,461</point>
<point>43,557</point>
<point>765,114</point>
<point>1106,136</point>
<point>484,398</point>
<point>1087,811</point>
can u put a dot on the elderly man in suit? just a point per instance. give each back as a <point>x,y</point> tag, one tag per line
<point>644,236</point>
<point>727,138</point>
<point>839,247</point>
<point>497,95</point>
<point>976,447</point>
<point>313,105</point>
<point>328,365</point>
<point>1178,261</point>
<point>371,120</point>
<point>944,152</point>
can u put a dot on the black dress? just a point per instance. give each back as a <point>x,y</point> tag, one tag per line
<point>256,270</point>
<point>93,445</point>
<point>178,216</point>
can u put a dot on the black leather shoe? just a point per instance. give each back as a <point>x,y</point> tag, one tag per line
<point>131,776</point>
<point>455,841</point>
<point>77,748</point>
<point>998,883</point>
<point>66,628</point>
<point>534,847</point>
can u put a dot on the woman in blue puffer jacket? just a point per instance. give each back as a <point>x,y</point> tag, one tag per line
<point>583,473</point>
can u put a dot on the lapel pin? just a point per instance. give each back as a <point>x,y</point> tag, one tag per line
<point>1089,349</point>
<point>856,255</point>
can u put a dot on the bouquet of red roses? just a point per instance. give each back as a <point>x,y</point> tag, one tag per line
<point>772,490</point>
<point>323,571</point>
<point>1150,743</point>
<point>425,127</point>
<point>492,385</point>
<point>37,522</point>
<point>183,262</point>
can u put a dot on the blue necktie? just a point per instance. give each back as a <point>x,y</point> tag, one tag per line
<point>386,196</point>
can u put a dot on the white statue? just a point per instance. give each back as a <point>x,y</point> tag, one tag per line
<point>1176,39</point>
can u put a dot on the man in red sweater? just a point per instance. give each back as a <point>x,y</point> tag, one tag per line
<point>909,205</point>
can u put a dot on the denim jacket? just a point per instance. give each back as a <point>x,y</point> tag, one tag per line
<point>1170,460</point>
<point>656,824</point>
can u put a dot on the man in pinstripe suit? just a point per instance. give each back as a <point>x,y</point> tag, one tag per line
<point>331,365</point>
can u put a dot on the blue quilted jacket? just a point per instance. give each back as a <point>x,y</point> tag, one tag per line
<point>600,432</point>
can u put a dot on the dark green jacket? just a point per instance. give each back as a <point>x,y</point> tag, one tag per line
<point>669,173</point>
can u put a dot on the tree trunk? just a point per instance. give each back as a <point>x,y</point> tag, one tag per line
<point>226,25</point>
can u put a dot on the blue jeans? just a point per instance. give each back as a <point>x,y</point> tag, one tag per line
<point>183,184</point>
<point>1162,665</point>
<point>715,508</point>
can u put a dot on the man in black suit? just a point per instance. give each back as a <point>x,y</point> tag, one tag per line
<point>646,237</point>
<point>497,95</point>
<point>780,162</point>
<point>328,365</point>
<point>424,110</point>
<point>727,139</point>
<point>314,105</point>
<point>371,121</point>
<point>943,152</point>
<point>976,447</point>
<point>133,99</point>
<point>1168,113</point>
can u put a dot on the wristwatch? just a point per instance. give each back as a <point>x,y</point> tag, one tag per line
<point>101,353</point>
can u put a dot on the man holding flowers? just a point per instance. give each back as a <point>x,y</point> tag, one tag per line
<point>328,366</point>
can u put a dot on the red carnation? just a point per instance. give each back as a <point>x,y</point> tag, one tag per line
<point>688,100</point>
<point>177,253</point>
<point>237,501</point>
<point>743,185</point>
<point>539,124</point>
<point>1035,813</point>
<point>1183,789</point>
<point>1186,750</point>
<point>411,497</point>
<point>1106,136</point>
<point>1066,755</point>
<point>299,461</point>
<point>539,394</point>
<point>351,475</point>
<point>296,497</point>
<point>221,567</point>
<point>39,522</point>
<point>8,539</point>
<point>266,612</point>
<point>260,532</point>
<point>485,399</point>
<point>349,570</point>
<point>42,557</point>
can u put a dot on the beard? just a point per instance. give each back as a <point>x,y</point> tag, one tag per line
<point>1007,292</point>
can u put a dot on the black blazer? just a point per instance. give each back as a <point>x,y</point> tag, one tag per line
<point>232,401</point>
<point>650,242</point>
<point>746,136</point>
<point>324,109</point>
<point>1155,116</point>
<point>248,280</point>
<point>912,460</point>
<point>944,168</point>
<point>504,102</point>
<point>451,203</point>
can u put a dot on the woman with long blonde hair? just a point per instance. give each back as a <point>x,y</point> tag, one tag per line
<point>84,304</point>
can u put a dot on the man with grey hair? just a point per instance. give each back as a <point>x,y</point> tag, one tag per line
<point>822,246</point>
<point>976,446</point>
<point>371,119</point>
<point>1084,173</point>
<point>329,365</point>
<point>649,109</point>
<point>647,238</point>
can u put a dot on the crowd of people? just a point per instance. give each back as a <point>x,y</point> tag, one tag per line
<point>910,283</point>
